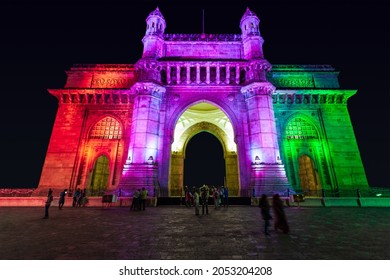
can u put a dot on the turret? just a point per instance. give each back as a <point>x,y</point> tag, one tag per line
<point>154,35</point>
<point>251,38</point>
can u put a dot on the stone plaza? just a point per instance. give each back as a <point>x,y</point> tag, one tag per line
<point>174,232</point>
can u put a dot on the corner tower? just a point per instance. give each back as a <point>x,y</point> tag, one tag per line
<point>153,40</point>
<point>267,170</point>
<point>251,39</point>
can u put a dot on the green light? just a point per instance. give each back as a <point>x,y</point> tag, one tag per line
<point>378,194</point>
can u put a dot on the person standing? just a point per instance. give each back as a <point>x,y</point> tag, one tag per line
<point>144,195</point>
<point>225,197</point>
<point>205,193</point>
<point>135,203</point>
<point>75,197</point>
<point>215,197</point>
<point>280,221</point>
<point>48,203</point>
<point>265,212</point>
<point>196,196</point>
<point>61,202</point>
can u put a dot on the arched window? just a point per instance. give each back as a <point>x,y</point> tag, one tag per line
<point>298,129</point>
<point>107,128</point>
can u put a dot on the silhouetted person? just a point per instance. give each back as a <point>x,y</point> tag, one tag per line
<point>76,196</point>
<point>280,221</point>
<point>265,212</point>
<point>135,202</point>
<point>225,197</point>
<point>144,195</point>
<point>196,196</point>
<point>47,203</point>
<point>61,202</point>
<point>204,195</point>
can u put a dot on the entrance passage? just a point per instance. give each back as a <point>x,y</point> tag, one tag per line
<point>99,178</point>
<point>308,176</point>
<point>204,162</point>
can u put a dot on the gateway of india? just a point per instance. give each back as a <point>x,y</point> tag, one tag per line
<point>126,126</point>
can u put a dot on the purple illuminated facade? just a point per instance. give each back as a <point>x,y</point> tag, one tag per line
<point>127,126</point>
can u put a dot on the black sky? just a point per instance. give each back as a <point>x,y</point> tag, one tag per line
<point>41,39</point>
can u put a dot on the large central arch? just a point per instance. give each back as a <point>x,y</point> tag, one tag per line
<point>203,116</point>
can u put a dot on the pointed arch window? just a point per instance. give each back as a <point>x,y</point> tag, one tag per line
<point>298,129</point>
<point>106,128</point>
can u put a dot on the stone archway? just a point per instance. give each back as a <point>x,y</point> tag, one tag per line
<point>222,129</point>
<point>308,176</point>
<point>204,161</point>
<point>99,176</point>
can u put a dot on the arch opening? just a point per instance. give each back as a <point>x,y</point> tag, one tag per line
<point>99,176</point>
<point>217,128</point>
<point>204,161</point>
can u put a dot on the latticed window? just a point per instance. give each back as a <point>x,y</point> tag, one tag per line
<point>299,128</point>
<point>107,128</point>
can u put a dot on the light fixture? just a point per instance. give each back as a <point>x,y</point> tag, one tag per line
<point>150,160</point>
<point>257,160</point>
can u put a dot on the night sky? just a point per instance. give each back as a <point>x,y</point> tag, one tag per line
<point>41,39</point>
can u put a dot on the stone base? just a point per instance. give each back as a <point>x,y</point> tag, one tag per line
<point>138,176</point>
<point>269,179</point>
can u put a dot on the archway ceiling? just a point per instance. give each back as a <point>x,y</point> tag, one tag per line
<point>203,112</point>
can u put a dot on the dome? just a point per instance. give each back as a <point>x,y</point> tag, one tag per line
<point>248,13</point>
<point>155,13</point>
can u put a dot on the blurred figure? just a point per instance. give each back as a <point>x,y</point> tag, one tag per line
<point>61,202</point>
<point>204,195</point>
<point>280,221</point>
<point>265,212</point>
<point>48,203</point>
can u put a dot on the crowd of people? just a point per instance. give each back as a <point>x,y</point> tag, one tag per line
<point>193,197</point>
<point>139,200</point>
<point>196,197</point>
<point>80,199</point>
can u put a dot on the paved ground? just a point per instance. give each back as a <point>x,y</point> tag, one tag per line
<point>174,232</point>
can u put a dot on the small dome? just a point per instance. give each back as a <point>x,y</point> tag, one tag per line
<point>157,13</point>
<point>248,13</point>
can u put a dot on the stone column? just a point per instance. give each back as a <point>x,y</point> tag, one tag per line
<point>140,169</point>
<point>237,74</point>
<point>227,74</point>
<point>198,73</point>
<point>188,74</point>
<point>218,78</point>
<point>178,81</point>
<point>168,74</point>
<point>268,174</point>
<point>208,73</point>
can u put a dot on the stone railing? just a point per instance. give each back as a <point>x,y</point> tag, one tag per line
<point>203,37</point>
<point>212,72</point>
<point>312,96</point>
<point>13,192</point>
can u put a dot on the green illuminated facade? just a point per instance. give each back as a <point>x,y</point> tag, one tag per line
<point>316,137</point>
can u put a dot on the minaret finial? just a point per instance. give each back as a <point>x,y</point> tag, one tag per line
<point>203,22</point>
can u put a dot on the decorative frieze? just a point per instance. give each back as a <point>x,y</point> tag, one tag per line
<point>318,96</point>
<point>93,96</point>
<point>260,88</point>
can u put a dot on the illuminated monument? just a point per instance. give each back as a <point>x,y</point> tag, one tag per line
<point>127,126</point>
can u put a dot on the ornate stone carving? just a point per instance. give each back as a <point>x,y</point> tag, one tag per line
<point>261,88</point>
